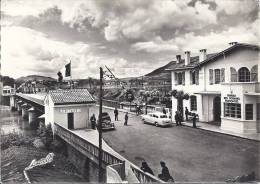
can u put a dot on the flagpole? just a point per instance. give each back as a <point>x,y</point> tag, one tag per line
<point>70,76</point>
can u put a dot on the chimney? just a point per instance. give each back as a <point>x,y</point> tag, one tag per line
<point>232,43</point>
<point>203,54</point>
<point>178,59</point>
<point>187,57</point>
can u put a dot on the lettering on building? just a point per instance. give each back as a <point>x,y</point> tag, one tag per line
<point>231,98</point>
<point>70,110</point>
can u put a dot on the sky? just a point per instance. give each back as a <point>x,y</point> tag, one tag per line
<point>131,37</point>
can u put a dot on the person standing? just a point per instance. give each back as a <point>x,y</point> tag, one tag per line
<point>194,120</point>
<point>164,111</point>
<point>180,118</point>
<point>176,117</point>
<point>186,113</point>
<point>165,175</point>
<point>93,121</point>
<point>126,118</point>
<point>116,114</point>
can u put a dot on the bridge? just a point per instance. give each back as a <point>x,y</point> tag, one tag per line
<point>117,169</point>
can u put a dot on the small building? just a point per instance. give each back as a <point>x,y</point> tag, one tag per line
<point>69,108</point>
<point>8,91</point>
<point>223,87</point>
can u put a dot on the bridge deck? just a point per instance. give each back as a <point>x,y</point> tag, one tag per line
<point>37,98</point>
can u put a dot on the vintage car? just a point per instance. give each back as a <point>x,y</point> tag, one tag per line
<point>157,119</point>
<point>106,122</point>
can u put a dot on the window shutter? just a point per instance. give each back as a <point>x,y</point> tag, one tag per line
<point>183,78</point>
<point>222,75</point>
<point>210,76</point>
<point>191,72</point>
<point>197,77</point>
<point>254,73</point>
<point>176,78</point>
<point>233,74</point>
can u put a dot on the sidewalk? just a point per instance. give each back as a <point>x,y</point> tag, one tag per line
<point>208,127</point>
<point>217,129</point>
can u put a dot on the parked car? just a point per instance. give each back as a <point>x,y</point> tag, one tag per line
<point>157,118</point>
<point>161,109</point>
<point>106,122</point>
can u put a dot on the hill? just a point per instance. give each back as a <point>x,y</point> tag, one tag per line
<point>160,71</point>
<point>35,77</point>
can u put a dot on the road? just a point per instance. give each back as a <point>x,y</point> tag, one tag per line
<point>190,154</point>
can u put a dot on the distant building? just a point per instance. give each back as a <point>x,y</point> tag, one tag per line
<point>8,91</point>
<point>223,86</point>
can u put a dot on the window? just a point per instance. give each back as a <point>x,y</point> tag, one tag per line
<point>232,110</point>
<point>180,78</point>
<point>249,111</point>
<point>254,72</point>
<point>217,76</point>
<point>222,74</point>
<point>233,73</point>
<point>193,103</point>
<point>243,75</point>
<point>194,77</point>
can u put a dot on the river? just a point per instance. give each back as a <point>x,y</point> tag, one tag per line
<point>15,158</point>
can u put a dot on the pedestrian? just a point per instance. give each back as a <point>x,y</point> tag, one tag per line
<point>164,111</point>
<point>93,121</point>
<point>116,114</point>
<point>194,120</point>
<point>146,168</point>
<point>180,118</point>
<point>176,117</point>
<point>165,175</point>
<point>136,109</point>
<point>126,118</point>
<point>186,113</point>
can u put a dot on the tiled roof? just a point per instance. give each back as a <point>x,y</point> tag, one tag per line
<point>194,61</point>
<point>71,96</point>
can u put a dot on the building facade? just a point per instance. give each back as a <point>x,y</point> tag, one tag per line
<point>223,87</point>
<point>69,108</point>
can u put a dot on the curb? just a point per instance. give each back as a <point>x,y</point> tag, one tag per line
<point>237,136</point>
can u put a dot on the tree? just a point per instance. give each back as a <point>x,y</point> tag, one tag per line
<point>180,96</point>
<point>130,96</point>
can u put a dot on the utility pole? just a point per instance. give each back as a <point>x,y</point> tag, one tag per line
<point>100,174</point>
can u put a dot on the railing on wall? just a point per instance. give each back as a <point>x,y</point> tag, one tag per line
<point>144,177</point>
<point>84,146</point>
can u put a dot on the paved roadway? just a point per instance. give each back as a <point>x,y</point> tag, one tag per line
<point>190,154</point>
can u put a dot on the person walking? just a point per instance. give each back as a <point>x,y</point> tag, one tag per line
<point>146,168</point>
<point>116,114</point>
<point>93,121</point>
<point>165,175</point>
<point>126,118</point>
<point>194,120</point>
<point>186,113</point>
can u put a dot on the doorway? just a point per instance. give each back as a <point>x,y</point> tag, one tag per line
<point>70,121</point>
<point>217,109</point>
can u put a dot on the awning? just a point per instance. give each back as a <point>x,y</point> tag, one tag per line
<point>209,93</point>
<point>42,116</point>
<point>252,94</point>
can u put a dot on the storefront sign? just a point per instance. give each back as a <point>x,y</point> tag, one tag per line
<point>70,110</point>
<point>231,98</point>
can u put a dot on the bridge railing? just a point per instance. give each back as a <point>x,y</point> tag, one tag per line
<point>84,146</point>
<point>144,177</point>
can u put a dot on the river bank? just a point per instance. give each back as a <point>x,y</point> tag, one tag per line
<point>18,150</point>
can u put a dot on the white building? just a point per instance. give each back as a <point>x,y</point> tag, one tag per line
<point>8,91</point>
<point>223,86</point>
<point>69,108</point>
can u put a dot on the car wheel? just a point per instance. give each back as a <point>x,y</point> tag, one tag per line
<point>156,124</point>
<point>143,120</point>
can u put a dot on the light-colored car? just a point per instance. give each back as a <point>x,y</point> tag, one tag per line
<point>156,118</point>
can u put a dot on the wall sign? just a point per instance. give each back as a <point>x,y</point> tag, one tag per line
<point>70,110</point>
<point>231,98</point>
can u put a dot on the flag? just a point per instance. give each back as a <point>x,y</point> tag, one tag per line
<point>68,70</point>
